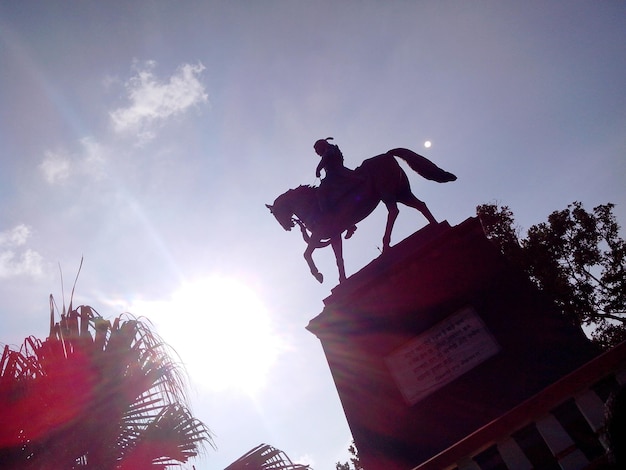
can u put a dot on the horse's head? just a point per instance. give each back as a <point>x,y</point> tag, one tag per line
<point>286,205</point>
<point>283,215</point>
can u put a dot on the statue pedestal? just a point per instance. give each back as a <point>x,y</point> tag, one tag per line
<point>435,339</point>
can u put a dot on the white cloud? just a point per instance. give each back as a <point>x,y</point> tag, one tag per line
<point>306,459</point>
<point>90,159</point>
<point>93,157</point>
<point>56,167</point>
<point>152,101</point>
<point>17,236</point>
<point>12,264</point>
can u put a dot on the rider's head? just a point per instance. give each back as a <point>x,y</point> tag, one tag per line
<point>321,146</point>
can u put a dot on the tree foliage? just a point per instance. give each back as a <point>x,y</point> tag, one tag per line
<point>265,457</point>
<point>354,463</point>
<point>577,257</point>
<point>95,395</point>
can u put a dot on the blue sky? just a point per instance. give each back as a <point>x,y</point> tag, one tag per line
<point>147,137</point>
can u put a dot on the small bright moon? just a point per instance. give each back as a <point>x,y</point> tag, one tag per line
<point>427,144</point>
<point>222,332</point>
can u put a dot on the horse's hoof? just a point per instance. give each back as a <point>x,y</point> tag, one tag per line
<point>350,232</point>
<point>319,277</point>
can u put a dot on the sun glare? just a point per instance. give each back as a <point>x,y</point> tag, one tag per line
<point>427,144</point>
<point>222,333</point>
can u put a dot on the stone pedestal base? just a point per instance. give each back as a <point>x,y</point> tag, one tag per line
<point>436,338</point>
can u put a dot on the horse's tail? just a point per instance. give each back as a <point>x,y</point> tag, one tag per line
<point>423,166</point>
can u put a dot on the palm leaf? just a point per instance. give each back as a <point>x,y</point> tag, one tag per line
<point>95,395</point>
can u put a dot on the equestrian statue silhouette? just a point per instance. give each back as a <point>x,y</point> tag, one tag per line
<point>324,213</point>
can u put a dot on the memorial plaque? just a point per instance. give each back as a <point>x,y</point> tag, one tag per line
<point>441,354</point>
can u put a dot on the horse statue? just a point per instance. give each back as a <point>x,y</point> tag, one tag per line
<point>383,180</point>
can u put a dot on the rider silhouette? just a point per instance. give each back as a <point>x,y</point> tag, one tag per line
<point>338,179</point>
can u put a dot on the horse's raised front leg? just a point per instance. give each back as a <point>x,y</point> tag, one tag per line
<point>392,215</point>
<point>308,256</point>
<point>338,249</point>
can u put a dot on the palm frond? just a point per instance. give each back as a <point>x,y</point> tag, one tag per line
<point>265,457</point>
<point>95,394</point>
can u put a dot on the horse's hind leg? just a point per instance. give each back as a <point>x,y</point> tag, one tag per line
<point>338,249</point>
<point>392,215</point>
<point>414,202</point>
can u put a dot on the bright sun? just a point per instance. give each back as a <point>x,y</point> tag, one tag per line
<point>221,331</point>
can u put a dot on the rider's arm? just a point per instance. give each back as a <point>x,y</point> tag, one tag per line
<point>320,166</point>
